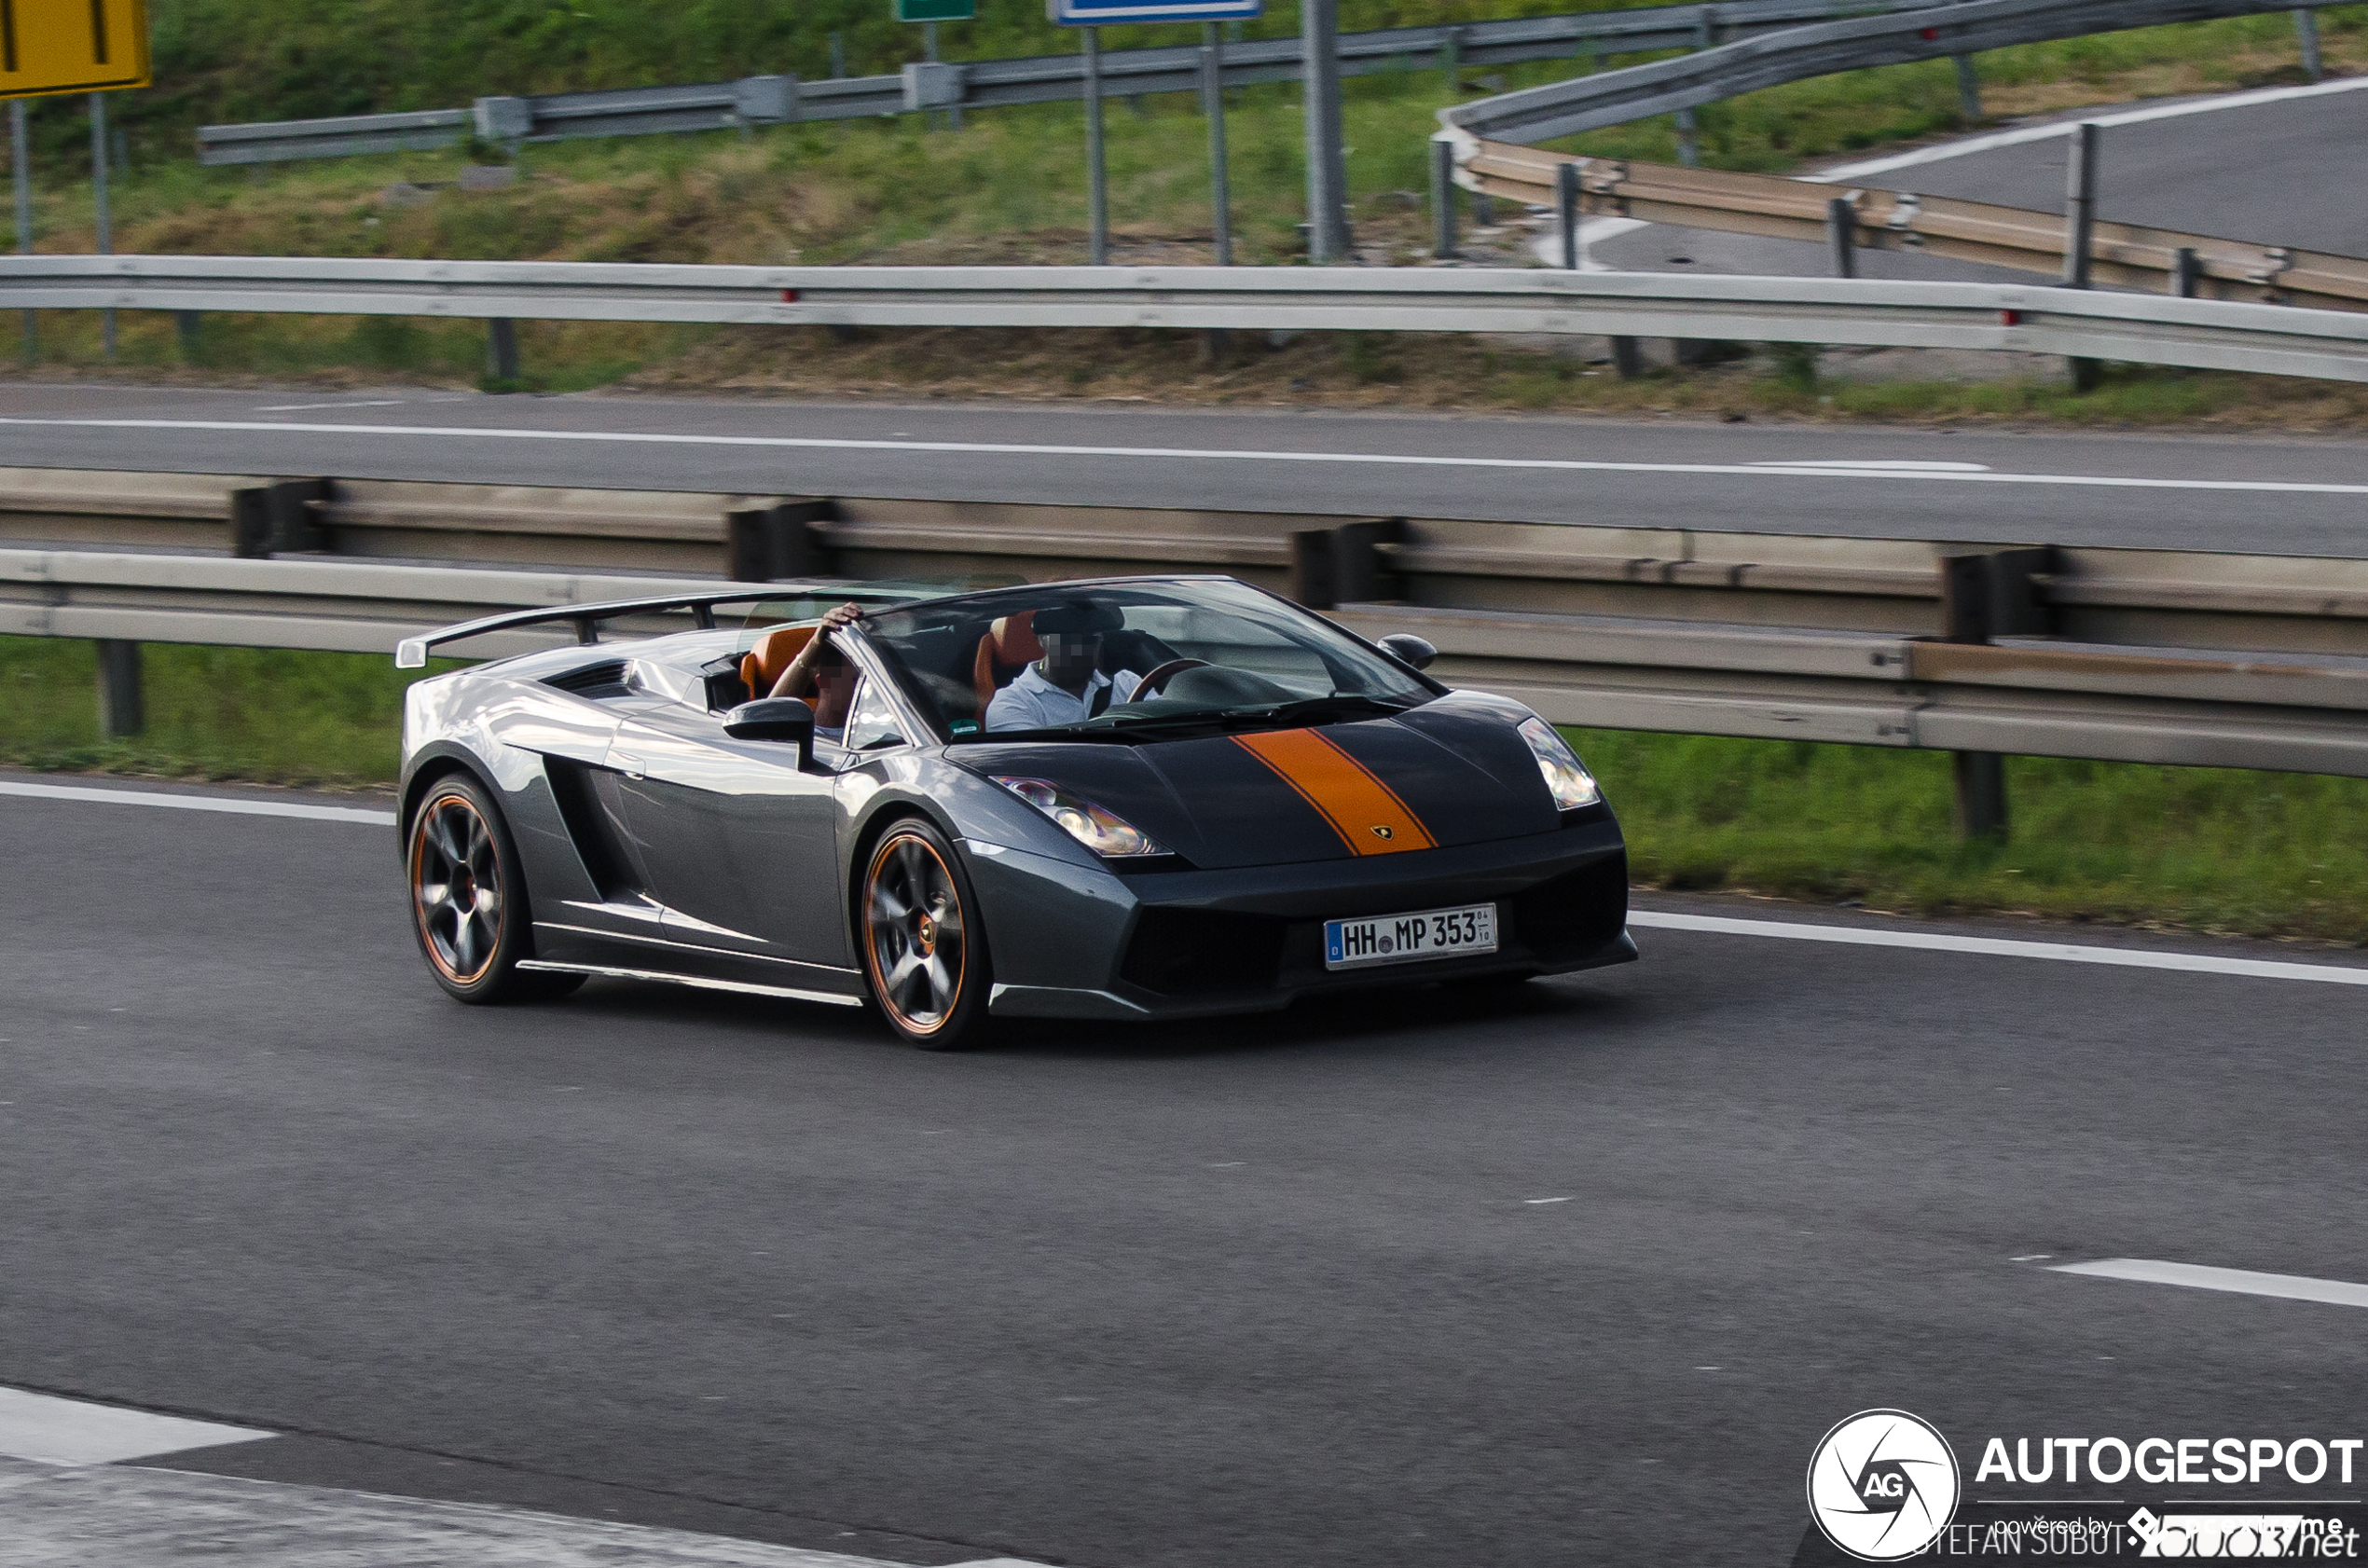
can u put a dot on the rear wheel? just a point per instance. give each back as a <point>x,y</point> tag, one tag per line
<point>468,898</point>
<point>924,952</point>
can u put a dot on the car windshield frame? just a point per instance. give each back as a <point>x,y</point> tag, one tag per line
<point>1390,686</point>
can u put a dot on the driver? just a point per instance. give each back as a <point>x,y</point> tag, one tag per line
<point>1065,686</point>
<point>823,675</point>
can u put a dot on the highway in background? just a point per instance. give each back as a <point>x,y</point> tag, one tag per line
<point>2279,165</point>
<point>2180,490</point>
<point>1576,1275</point>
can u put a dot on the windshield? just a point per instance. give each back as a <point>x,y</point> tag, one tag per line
<point>1131,661</point>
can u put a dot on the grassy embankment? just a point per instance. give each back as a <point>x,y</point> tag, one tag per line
<point>2259,854</point>
<point>1007,188</point>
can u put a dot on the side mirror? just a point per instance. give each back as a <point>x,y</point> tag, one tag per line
<point>1408,650</point>
<point>774,719</point>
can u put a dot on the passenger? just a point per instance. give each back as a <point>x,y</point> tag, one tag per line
<point>822,676</point>
<point>1064,687</point>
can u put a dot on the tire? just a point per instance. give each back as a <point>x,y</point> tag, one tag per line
<point>468,898</point>
<point>925,957</point>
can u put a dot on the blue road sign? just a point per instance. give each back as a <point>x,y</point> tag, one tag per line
<point>1112,13</point>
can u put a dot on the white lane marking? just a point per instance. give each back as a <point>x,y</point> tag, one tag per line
<point>2244,1282</point>
<point>1534,1202</point>
<point>1808,469</point>
<point>1886,465</point>
<point>2059,952</point>
<point>199,803</point>
<point>308,407</point>
<point>2260,968</point>
<point>48,1430</point>
<point>2042,133</point>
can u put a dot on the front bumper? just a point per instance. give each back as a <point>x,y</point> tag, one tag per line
<point>1070,941</point>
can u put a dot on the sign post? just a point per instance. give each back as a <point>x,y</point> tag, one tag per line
<point>23,159</point>
<point>929,13</point>
<point>1091,15</point>
<point>56,46</point>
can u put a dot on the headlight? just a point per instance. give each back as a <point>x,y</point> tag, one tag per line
<point>1087,823</point>
<point>1566,776</point>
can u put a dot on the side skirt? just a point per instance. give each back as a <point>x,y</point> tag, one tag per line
<point>703,982</point>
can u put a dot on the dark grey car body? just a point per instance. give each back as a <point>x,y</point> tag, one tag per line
<point>653,844</point>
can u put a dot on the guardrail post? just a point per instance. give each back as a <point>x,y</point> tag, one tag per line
<point>838,55</point>
<point>2186,273</point>
<point>1313,584</point>
<point>1451,60</point>
<point>267,519</point>
<point>1987,594</point>
<point>1567,213</point>
<point>1628,358</point>
<point>766,544</point>
<point>188,326</point>
<point>1842,236</point>
<point>2306,35</point>
<point>1968,90</point>
<point>121,711</point>
<point>502,353</point>
<point>2080,229</point>
<point>1444,245</point>
<point>1360,574</point>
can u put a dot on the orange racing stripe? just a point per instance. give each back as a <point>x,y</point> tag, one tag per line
<point>1363,811</point>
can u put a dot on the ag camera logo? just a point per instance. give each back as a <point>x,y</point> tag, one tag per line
<point>1883,1485</point>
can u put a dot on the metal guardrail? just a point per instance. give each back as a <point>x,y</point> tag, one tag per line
<point>773,99</point>
<point>2163,656</point>
<point>2196,332</point>
<point>2128,255</point>
<point>1797,54</point>
<point>2024,697</point>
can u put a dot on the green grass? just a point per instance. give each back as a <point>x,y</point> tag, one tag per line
<point>264,714</point>
<point>2259,854</point>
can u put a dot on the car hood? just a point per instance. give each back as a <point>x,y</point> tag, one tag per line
<point>1443,773</point>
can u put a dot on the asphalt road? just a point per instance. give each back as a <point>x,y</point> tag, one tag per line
<point>2279,168</point>
<point>2172,491</point>
<point>1575,1276</point>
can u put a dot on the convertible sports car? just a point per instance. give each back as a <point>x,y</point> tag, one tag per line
<point>1118,799</point>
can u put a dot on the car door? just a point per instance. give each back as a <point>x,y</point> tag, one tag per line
<point>740,843</point>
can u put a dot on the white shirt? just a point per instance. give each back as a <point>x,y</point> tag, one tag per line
<point>1033,702</point>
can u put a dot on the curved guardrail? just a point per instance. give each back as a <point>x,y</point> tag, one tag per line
<point>1541,114</point>
<point>2199,334</point>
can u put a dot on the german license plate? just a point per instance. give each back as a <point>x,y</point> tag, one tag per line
<point>1401,939</point>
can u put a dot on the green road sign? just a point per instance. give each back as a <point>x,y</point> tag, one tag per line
<point>936,10</point>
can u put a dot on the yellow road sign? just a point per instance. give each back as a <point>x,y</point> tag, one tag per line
<point>72,45</point>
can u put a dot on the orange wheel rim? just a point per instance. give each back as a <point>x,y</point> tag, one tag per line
<point>456,888</point>
<point>916,944</point>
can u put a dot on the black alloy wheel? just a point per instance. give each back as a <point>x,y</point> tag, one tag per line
<point>924,953</point>
<point>468,898</point>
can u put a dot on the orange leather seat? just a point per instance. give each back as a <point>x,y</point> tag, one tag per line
<point>773,652</point>
<point>1010,646</point>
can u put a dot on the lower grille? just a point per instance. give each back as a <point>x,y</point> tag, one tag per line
<point>1187,952</point>
<point>1576,910</point>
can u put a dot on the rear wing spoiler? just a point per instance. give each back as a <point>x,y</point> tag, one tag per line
<point>412,652</point>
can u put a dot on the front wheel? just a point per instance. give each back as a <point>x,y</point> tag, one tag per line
<point>924,951</point>
<point>468,898</point>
